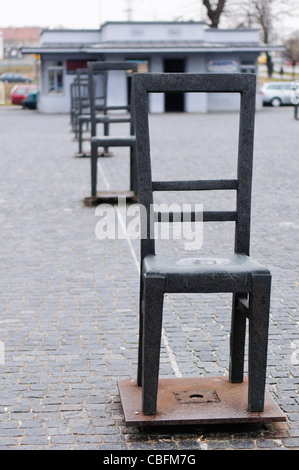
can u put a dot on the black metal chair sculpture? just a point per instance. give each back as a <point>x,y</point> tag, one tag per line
<point>80,102</point>
<point>74,94</point>
<point>100,106</point>
<point>248,281</point>
<point>83,106</point>
<point>107,141</point>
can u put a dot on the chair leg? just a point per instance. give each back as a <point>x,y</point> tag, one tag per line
<point>80,136</point>
<point>133,170</point>
<point>237,342</point>
<point>106,133</point>
<point>152,328</point>
<point>94,162</point>
<point>258,340</point>
<point>76,125</point>
<point>141,309</point>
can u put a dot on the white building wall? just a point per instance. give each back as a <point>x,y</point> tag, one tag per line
<point>117,90</point>
<point>233,36</point>
<point>54,102</point>
<point>160,31</point>
<point>156,100</point>
<point>196,102</point>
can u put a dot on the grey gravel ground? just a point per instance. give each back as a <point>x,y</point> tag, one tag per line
<point>69,301</point>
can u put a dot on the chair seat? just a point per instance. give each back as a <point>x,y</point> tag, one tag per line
<point>114,141</point>
<point>199,274</point>
<point>104,119</point>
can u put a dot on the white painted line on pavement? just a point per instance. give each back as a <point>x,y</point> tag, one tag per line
<point>170,353</point>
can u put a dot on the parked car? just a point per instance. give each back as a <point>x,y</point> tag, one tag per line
<point>20,92</point>
<point>277,93</point>
<point>31,101</point>
<point>14,77</point>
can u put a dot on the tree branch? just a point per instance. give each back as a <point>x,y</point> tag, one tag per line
<point>214,13</point>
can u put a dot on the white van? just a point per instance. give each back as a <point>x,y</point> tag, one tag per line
<point>278,93</point>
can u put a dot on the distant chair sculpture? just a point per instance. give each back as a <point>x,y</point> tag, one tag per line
<point>238,273</point>
<point>106,140</point>
<point>73,104</point>
<point>100,105</point>
<point>79,101</point>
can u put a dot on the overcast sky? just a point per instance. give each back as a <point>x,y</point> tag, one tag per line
<point>89,14</point>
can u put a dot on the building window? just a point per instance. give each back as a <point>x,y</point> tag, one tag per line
<point>55,77</point>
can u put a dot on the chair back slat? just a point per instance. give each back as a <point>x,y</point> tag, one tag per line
<point>199,185</point>
<point>205,216</point>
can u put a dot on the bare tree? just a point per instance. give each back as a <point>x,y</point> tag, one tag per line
<point>267,15</point>
<point>264,14</point>
<point>292,50</point>
<point>249,13</point>
<point>214,11</point>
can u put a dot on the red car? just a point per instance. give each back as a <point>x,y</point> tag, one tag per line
<point>20,92</point>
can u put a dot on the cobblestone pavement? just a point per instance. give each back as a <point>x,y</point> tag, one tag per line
<point>69,301</point>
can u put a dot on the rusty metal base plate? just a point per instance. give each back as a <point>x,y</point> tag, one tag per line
<point>106,154</point>
<point>203,400</point>
<point>87,155</point>
<point>110,197</point>
<point>82,155</point>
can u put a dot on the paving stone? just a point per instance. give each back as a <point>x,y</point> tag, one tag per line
<point>69,301</point>
<point>165,445</point>
<point>292,442</point>
<point>268,444</point>
<point>242,444</point>
<point>219,445</point>
<point>62,439</point>
<point>35,440</point>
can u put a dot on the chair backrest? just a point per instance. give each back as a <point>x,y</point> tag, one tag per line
<point>245,85</point>
<point>74,87</point>
<point>96,68</point>
<point>82,90</point>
